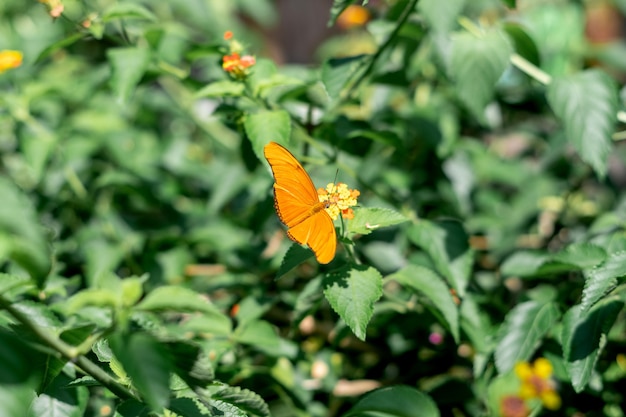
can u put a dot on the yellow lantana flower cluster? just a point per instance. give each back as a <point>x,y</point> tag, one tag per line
<point>10,59</point>
<point>537,382</point>
<point>339,198</point>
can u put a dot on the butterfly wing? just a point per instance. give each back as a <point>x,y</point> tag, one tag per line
<point>318,232</point>
<point>298,206</point>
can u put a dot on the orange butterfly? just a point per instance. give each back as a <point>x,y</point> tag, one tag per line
<point>298,205</point>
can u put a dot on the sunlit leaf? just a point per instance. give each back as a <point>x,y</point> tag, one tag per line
<point>521,332</point>
<point>476,64</point>
<point>352,292</point>
<point>586,103</point>
<point>430,284</point>
<point>397,401</point>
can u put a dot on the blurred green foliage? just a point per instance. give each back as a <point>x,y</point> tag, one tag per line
<point>144,271</point>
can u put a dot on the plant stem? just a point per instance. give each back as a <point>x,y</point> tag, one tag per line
<point>67,351</point>
<point>403,18</point>
<point>530,69</point>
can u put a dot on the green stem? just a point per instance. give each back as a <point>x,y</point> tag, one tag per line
<point>530,69</point>
<point>401,21</point>
<point>68,352</point>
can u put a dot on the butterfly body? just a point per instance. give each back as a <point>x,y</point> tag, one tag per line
<point>298,206</point>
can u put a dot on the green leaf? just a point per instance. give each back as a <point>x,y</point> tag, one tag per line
<point>309,299</point>
<point>337,72</point>
<point>510,3</point>
<point>175,298</point>
<point>367,220</point>
<point>59,400</point>
<point>446,242</point>
<point>91,298</point>
<point>575,257</point>
<point>295,255</point>
<point>258,333</point>
<point>584,337</point>
<point>13,284</point>
<point>147,363</point>
<point>434,288</point>
<point>441,15</point>
<point>396,401</point>
<point>127,11</point>
<point>265,127</point>
<point>586,103</point>
<point>222,88</point>
<point>20,373</point>
<point>191,363</point>
<point>50,49</point>
<point>600,279</point>
<point>127,67</point>
<point>352,292</point>
<point>476,64</point>
<point>523,43</point>
<point>22,238</point>
<point>209,325</point>
<point>243,399</point>
<point>521,332</point>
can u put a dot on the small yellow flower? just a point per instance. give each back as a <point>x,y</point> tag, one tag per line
<point>10,59</point>
<point>340,199</point>
<point>537,382</point>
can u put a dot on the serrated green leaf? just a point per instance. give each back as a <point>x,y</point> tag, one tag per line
<point>434,288</point>
<point>189,407</point>
<point>127,67</point>
<point>586,103</point>
<point>148,365</point>
<point>397,401</point>
<point>127,11</point>
<point>476,64</point>
<point>243,399</point>
<point>265,127</point>
<point>58,400</point>
<point>191,364</point>
<point>447,243</point>
<point>600,279</point>
<point>583,255</point>
<point>337,72</point>
<point>222,88</point>
<point>521,332</point>
<point>352,292</point>
<point>175,298</point>
<point>367,220</point>
<point>441,15</point>
<point>584,337</point>
<point>295,255</point>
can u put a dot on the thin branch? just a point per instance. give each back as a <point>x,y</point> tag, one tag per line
<point>401,21</point>
<point>68,352</point>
